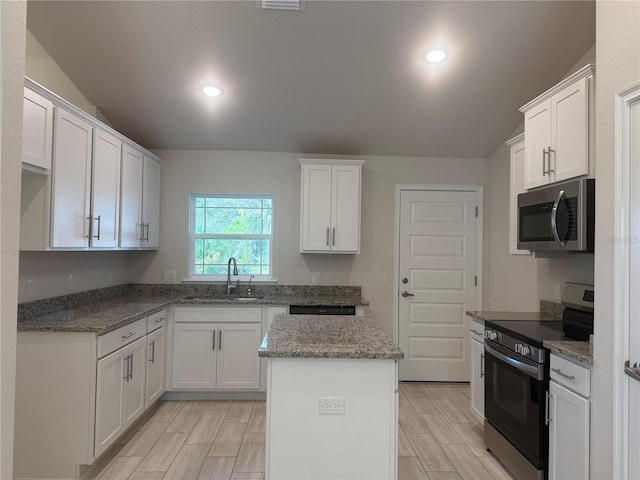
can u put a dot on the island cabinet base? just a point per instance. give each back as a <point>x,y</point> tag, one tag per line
<point>359,444</point>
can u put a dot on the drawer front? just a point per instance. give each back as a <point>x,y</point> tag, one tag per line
<point>477,330</point>
<point>218,314</point>
<point>110,342</point>
<point>571,375</point>
<point>156,320</point>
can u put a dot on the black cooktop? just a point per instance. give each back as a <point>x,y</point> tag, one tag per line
<point>529,331</point>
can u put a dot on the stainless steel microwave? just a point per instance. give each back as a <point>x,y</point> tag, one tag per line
<point>559,217</point>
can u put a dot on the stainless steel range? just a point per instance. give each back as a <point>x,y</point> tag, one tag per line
<point>517,382</point>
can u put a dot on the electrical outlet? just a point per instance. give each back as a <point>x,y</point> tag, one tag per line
<point>383,278</point>
<point>30,288</point>
<point>558,291</point>
<point>331,406</point>
<point>169,276</point>
<point>69,281</point>
<point>315,278</point>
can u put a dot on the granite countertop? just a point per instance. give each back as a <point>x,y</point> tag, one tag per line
<point>274,300</point>
<point>484,316</point>
<point>573,349</point>
<point>99,317</point>
<point>327,336</point>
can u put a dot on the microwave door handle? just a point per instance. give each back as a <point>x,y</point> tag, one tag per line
<point>554,219</point>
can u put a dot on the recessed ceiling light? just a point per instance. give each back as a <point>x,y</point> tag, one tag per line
<point>212,90</point>
<point>435,55</point>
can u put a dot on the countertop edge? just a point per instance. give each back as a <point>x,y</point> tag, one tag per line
<point>571,349</point>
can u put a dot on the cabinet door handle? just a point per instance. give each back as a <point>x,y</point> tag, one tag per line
<point>90,218</point>
<point>549,171</point>
<point>147,232</point>
<point>161,319</point>
<point>219,339</point>
<point>126,369</point>
<point>130,334</point>
<point>327,236</point>
<point>153,352</point>
<point>547,416</point>
<point>98,220</point>
<point>334,236</point>
<point>481,365</point>
<point>141,225</point>
<point>476,332</point>
<point>544,154</point>
<point>562,374</point>
<point>214,340</point>
<point>131,367</point>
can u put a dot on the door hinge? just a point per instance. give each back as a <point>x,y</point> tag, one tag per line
<point>476,212</point>
<point>476,280</point>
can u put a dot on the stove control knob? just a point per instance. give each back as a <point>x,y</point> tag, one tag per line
<point>491,335</point>
<point>524,350</point>
<point>518,347</point>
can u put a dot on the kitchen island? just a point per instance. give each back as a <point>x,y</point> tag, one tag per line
<point>332,401</point>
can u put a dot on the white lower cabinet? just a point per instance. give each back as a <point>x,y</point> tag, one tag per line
<point>119,393</point>
<point>568,425</point>
<point>477,369</point>
<point>208,355</point>
<point>156,365</point>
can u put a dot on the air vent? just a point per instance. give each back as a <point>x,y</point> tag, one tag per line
<point>281,4</point>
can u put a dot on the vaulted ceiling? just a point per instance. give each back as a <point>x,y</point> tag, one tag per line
<point>340,77</point>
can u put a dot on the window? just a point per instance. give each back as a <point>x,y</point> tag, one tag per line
<point>225,226</point>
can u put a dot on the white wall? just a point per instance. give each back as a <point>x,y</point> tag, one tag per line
<point>278,174</point>
<point>618,66</point>
<point>517,282</point>
<point>12,30</point>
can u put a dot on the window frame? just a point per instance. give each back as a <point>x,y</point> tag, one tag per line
<point>192,236</point>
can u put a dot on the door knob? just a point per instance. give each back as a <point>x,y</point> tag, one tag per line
<point>407,294</point>
<point>405,280</point>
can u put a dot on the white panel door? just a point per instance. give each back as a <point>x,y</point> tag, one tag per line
<point>315,221</point>
<point>537,127</point>
<point>131,198</point>
<point>111,374</point>
<point>437,276</point>
<point>238,361</point>
<point>105,192</point>
<point>151,202</point>
<point>71,176</point>
<point>345,209</point>
<point>568,435</point>
<point>37,130</point>
<point>156,355</point>
<point>570,132</point>
<point>133,391</point>
<point>194,355</point>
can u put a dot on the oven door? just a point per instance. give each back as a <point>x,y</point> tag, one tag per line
<point>515,397</point>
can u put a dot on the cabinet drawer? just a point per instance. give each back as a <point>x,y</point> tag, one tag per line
<point>477,330</point>
<point>156,320</point>
<point>110,342</point>
<point>218,314</point>
<point>571,375</point>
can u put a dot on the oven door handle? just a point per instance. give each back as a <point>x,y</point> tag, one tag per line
<point>530,370</point>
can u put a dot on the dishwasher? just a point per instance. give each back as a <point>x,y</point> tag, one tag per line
<point>322,310</point>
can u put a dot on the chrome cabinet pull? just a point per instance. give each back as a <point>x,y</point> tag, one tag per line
<point>214,341</point>
<point>90,218</point>
<point>327,236</point>
<point>633,372</point>
<point>130,334</point>
<point>219,339</point>
<point>481,365</point>
<point>476,332</point>
<point>131,367</point>
<point>126,369</point>
<point>161,319</point>
<point>544,154</point>
<point>407,294</point>
<point>549,171</point>
<point>547,419</point>
<point>141,225</point>
<point>334,236</point>
<point>153,352</point>
<point>562,374</point>
<point>146,237</point>
<point>99,222</point>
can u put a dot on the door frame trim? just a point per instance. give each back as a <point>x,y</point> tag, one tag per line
<point>479,191</point>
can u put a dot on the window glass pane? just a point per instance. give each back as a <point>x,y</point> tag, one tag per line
<point>267,203</point>
<point>199,253</point>
<point>199,201</point>
<point>199,219</point>
<point>266,221</point>
<point>198,270</point>
<point>233,220</point>
<point>230,202</point>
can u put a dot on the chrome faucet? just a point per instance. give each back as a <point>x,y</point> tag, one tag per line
<point>235,272</point>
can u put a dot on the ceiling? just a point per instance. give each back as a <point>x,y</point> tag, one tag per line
<point>339,78</point>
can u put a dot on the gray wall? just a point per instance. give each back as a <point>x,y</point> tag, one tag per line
<point>618,66</point>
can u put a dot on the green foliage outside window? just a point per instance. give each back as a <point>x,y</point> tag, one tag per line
<point>225,227</point>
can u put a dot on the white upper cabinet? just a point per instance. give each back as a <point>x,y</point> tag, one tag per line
<point>70,196</point>
<point>558,129</point>
<point>330,206</point>
<point>150,203</point>
<point>105,191</point>
<point>131,198</point>
<point>37,130</point>
<point>516,181</point>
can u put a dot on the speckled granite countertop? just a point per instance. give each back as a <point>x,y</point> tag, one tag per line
<point>525,316</point>
<point>573,349</point>
<point>275,300</point>
<point>99,317</point>
<point>327,336</point>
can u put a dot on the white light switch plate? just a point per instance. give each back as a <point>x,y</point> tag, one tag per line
<point>169,276</point>
<point>315,278</point>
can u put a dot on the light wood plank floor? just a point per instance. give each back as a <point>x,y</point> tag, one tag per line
<point>439,439</point>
